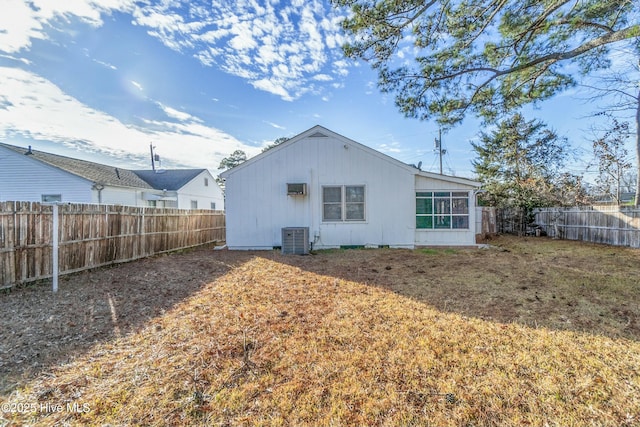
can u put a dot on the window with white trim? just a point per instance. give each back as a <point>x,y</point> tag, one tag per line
<point>343,203</point>
<point>442,210</point>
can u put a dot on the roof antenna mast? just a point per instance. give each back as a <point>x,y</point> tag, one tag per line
<point>439,149</point>
<point>153,165</point>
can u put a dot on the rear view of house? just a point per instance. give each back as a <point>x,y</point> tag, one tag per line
<point>322,188</point>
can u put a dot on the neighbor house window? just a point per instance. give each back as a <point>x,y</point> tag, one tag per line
<point>443,210</point>
<point>51,198</point>
<point>213,206</point>
<point>194,204</point>
<point>206,182</point>
<point>343,203</point>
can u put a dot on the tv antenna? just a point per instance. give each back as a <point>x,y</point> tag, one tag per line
<point>154,157</point>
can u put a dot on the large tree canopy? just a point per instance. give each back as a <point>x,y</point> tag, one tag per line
<point>446,58</point>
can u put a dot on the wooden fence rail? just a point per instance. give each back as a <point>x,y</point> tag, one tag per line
<point>94,235</point>
<point>613,225</point>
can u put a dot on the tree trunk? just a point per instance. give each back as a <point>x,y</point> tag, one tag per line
<point>637,201</point>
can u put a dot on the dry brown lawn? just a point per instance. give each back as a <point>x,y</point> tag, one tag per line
<point>529,332</point>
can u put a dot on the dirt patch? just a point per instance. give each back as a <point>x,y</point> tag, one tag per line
<point>536,282</point>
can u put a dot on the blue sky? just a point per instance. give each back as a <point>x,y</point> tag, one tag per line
<point>101,80</point>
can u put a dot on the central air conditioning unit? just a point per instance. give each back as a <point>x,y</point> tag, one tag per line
<point>295,240</point>
<point>296,189</point>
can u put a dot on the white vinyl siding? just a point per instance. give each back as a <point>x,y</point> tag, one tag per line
<point>24,179</point>
<point>379,208</point>
<point>202,189</point>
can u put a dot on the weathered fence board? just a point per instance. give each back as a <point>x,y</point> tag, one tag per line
<point>486,224</point>
<point>613,225</point>
<point>95,235</point>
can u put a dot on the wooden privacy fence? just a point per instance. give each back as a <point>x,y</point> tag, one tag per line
<point>613,225</point>
<point>486,224</point>
<point>94,235</point>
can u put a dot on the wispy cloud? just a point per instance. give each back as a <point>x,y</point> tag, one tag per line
<point>106,64</point>
<point>275,125</point>
<point>178,115</point>
<point>22,22</point>
<point>36,108</point>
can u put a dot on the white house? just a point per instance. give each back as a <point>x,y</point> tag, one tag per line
<point>32,175</point>
<point>187,188</point>
<point>343,194</point>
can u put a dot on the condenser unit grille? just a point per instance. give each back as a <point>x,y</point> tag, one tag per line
<point>295,240</point>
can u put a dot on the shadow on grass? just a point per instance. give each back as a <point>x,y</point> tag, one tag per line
<point>541,283</point>
<point>40,329</point>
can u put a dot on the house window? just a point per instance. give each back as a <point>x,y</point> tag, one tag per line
<point>343,203</point>
<point>442,210</point>
<point>51,198</point>
<point>213,206</point>
<point>206,182</point>
<point>194,204</point>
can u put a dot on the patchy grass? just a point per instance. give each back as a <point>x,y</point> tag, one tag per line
<point>531,332</point>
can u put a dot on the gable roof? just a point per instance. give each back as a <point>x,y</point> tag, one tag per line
<point>322,132</point>
<point>169,179</point>
<point>95,172</point>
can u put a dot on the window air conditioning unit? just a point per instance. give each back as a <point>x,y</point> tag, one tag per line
<point>296,189</point>
<point>295,240</point>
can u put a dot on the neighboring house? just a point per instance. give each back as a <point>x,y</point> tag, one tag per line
<point>31,175</point>
<point>191,188</point>
<point>345,194</point>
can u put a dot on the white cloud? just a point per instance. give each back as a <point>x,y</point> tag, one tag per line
<point>280,47</point>
<point>22,21</point>
<point>275,125</point>
<point>34,107</point>
<point>105,64</point>
<point>323,77</point>
<point>393,147</point>
<point>275,87</point>
<point>176,114</point>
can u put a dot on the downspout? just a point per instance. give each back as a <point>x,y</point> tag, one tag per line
<point>314,229</point>
<point>98,187</point>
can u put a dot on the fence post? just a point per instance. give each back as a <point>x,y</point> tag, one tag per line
<point>55,247</point>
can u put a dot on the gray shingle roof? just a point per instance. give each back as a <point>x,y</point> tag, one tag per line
<point>170,179</point>
<point>96,172</point>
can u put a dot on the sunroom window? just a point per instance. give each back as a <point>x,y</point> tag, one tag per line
<point>442,210</point>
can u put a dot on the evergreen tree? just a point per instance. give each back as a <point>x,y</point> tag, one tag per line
<point>520,165</point>
<point>236,158</point>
